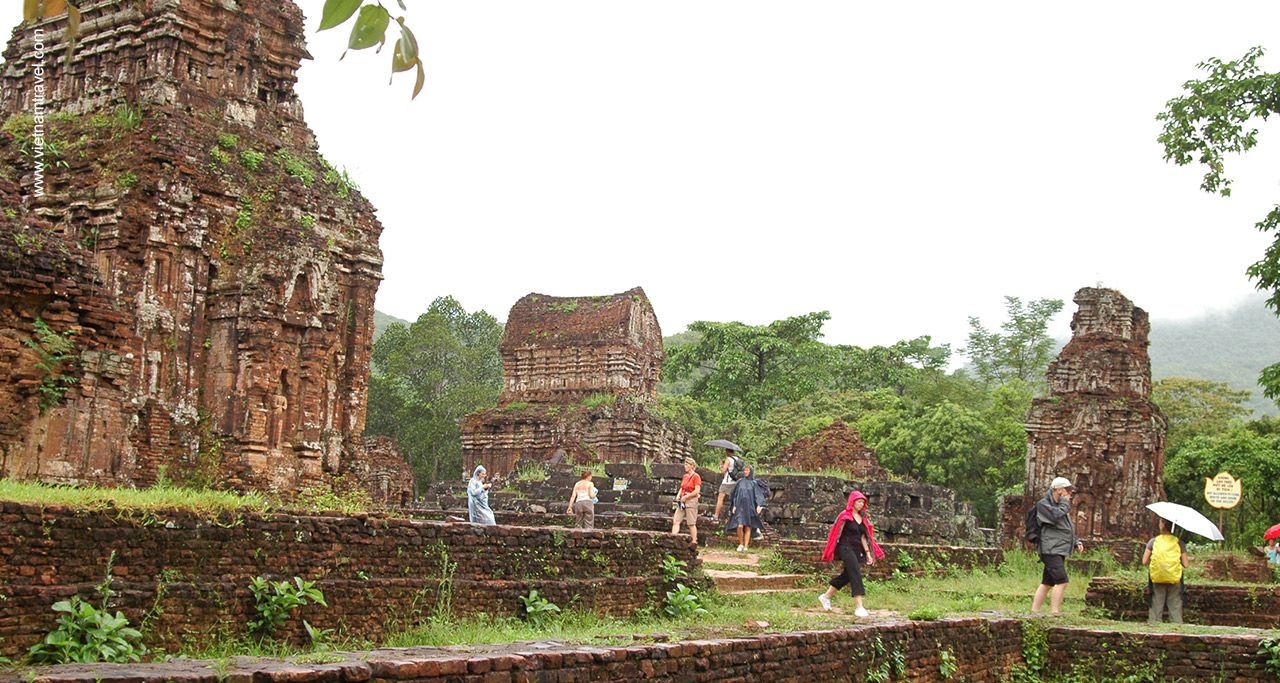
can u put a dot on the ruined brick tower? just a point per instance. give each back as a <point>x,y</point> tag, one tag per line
<point>1099,427</point>
<point>216,275</point>
<point>581,379</point>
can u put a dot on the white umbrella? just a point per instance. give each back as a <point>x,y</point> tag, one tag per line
<point>1187,518</point>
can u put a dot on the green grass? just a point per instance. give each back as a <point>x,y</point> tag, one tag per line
<point>157,497</point>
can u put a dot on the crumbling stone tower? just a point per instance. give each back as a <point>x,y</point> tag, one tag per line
<point>1099,427</point>
<point>581,379</point>
<point>215,273</point>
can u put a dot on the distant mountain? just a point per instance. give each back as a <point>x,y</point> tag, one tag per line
<point>381,321</point>
<point>1232,347</point>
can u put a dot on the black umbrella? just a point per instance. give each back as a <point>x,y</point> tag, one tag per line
<point>721,443</point>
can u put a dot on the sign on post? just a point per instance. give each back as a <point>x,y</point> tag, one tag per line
<point>1223,491</point>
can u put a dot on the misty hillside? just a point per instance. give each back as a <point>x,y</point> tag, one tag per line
<point>1232,347</point>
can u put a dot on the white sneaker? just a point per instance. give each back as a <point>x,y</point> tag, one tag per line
<point>826,602</point>
<point>861,612</point>
<point>741,548</point>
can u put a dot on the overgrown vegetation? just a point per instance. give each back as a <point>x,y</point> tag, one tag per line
<point>276,600</point>
<point>57,357</point>
<point>89,634</point>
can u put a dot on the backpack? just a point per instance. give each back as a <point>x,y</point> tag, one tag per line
<point>737,468</point>
<point>1166,559</point>
<point>1032,526</point>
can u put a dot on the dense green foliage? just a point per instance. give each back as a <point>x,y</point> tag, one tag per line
<point>427,376</point>
<point>767,386</point>
<point>1215,118</point>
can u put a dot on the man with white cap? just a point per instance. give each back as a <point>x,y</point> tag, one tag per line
<point>1057,540</point>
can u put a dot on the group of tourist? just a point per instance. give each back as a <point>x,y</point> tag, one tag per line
<point>746,494</point>
<point>852,537</point>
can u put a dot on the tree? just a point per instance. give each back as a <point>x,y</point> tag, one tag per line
<point>1023,352</point>
<point>1197,406</point>
<point>429,375</point>
<point>1252,458</point>
<point>1213,119</point>
<point>753,368</point>
<point>894,367</point>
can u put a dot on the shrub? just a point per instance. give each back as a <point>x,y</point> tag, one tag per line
<point>683,603</point>
<point>87,634</point>
<point>275,600</point>
<point>227,140</point>
<point>251,160</point>
<point>538,609</point>
<point>673,569</point>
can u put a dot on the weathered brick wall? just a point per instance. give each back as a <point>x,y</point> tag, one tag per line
<point>1170,656</point>
<point>183,573</point>
<point>981,651</point>
<point>903,558</point>
<point>1217,604</point>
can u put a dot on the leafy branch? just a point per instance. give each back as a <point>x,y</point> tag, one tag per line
<point>370,29</point>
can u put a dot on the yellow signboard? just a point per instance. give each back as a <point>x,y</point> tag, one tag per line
<point>1223,491</point>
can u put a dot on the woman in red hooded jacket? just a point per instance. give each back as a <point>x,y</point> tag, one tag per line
<point>855,545</point>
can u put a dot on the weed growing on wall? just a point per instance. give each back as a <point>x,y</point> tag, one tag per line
<point>673,569</point>
<point>88,634</point>
<point>537,609</point>
<point>1271,648</point>
<point>57,355</point>
<point>276,600</point>
<point>683,603</point>
<point>947,664</point>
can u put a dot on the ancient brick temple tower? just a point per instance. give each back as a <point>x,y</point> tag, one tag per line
<point>581,378</point>
<point>1099,427</point>
<point>215,273</point>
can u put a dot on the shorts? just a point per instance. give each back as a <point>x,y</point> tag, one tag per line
<point>726,488</point>
<point>689,513</point>
<point>1055,570</point>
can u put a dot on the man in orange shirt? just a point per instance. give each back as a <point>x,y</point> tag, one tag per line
<point>687,500</point>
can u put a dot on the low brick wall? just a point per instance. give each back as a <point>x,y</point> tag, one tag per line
<point>180,574</point>
<point>980,651</point>
<point>901,557</point>
<point>1213,604</point>
<point>1113,655</point>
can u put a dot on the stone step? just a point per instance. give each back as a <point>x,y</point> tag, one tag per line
<point>727,580</point>
<point>762,591</point>
<point>728,557</point>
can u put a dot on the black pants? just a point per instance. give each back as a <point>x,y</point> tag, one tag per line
<point>852,574</point>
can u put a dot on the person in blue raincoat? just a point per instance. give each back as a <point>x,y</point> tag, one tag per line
<point>744,512</point>
<point>478,498</point>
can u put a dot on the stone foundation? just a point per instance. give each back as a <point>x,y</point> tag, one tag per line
<point>981,650</point>
<point>185,575</point>
<point>1255,606</point>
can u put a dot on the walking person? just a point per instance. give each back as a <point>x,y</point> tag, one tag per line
<point>1057,540</point>
<point>732,468</point>
<point>687,500</point>
<point>745,507</point>
<point>478,497</point>
<point>582,502</point>
<point>1165,558</point>
<point>853,540</point>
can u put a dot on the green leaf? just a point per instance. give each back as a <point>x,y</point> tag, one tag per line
<point>337,11</point>
<point>417,86</point>
<point>370,28</point>
<point>406,53</point>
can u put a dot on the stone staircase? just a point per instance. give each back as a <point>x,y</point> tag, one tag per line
<point>746,576</point>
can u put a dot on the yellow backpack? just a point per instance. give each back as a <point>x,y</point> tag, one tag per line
<point>1166,560</point>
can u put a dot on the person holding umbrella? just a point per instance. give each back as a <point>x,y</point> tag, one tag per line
<point>1273,551</point>
<point>1165,558</point>
<point>731,467</point>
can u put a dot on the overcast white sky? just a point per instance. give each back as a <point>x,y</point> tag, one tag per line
<point>903,165</point>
